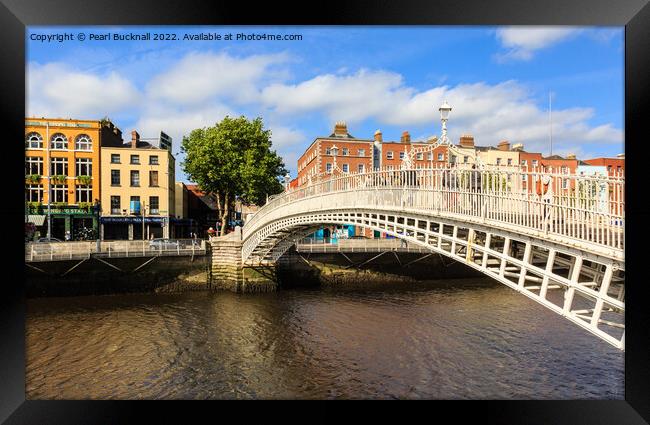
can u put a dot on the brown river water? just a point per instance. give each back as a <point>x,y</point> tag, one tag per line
<point>459,339</point>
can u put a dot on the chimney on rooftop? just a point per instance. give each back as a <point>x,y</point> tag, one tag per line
<point>135,138</point>
<point>378,136</point>
<point>621,156</point>
<point>503,145</point>
<point>571,156</point>
<point>518,147</point>
<point>340,129</point>
<point>467,141</point>
<point>406,137</point>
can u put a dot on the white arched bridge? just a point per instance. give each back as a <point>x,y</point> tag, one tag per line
<point>555,237</point>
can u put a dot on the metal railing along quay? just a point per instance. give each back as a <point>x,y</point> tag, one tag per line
<point>311,245</point>
<point>59,251</point>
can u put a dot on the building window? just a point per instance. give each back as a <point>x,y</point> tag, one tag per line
<point>509,161</point>
<point>618,168</point>
<point>389,155</point>
<point>440,157</point>
<point>135,159</point>
<point>524,162</point>
<point>535,163</point>
<point>135,205</point>
<point>115,205</point>
<point>524,177</point>
<point>466,159</point>
<point>84,167</point>
<point>60,193</point>
<point>345,151</point>
<point>115,158</point>
<point>419,156</point>
<point>153,160</point>
<point>362,152</point>
<point>429,156</point>
<point>83,143</point>
<point>346,168</point>
<point>115,177</point>
<point>135,178</point>
<point>84,193</point>
<point>565,169</point>
<point>565,183</point>
<point>59,141</point>
<point>401,155</point>
<point>34,192</point>
<point>154,205</point>
<point>328,151</point>
<point>33,165</point>
<point>453,159</point>
<point>59,167</point>
<point>153,178</point>
<point>328,168</point>
<point>360,168</point>
<point>498,161</point>
<point>33,141</point>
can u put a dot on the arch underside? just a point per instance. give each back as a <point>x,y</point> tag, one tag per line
<point>586,288</point>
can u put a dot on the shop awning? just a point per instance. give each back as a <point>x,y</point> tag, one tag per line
<point>38,220</point>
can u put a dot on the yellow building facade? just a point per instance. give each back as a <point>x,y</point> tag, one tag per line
<point>138,191</point>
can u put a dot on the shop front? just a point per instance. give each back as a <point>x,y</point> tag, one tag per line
<point>133,228</point>
<point>78,223</point>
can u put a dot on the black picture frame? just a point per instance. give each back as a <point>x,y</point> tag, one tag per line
<point>15,15</point>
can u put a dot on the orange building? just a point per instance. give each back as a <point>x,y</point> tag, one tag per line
<point>62,161</point>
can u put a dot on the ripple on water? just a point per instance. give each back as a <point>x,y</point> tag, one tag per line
<point>458,339</point>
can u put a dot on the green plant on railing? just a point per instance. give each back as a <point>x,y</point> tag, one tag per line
<point>59,204</point>
<point>34,207</point>
<point>59,179</point>
<point>85,180</point>
<point>33,178</point>
<point>87,206</point>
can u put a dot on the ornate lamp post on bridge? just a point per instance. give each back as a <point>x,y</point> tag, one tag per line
<point>444,109</point>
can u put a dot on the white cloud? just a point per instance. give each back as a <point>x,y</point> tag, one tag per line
<point>55,90</point>
<point>201,76</point>
<point>284,137</point>
<point>523,41</point>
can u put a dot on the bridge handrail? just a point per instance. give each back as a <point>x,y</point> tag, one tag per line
<point>583,207</point>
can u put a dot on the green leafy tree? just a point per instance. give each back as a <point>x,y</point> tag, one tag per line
<point>233,160</point>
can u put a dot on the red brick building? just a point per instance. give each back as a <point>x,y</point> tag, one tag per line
<point>615,166</point>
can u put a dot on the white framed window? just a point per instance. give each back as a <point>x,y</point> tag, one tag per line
<point>524,162</point>
<point>328,168</point>
<point>135,178</point>
<point>33,165</point>
<point>360,168</point>
<point>565,169</point>
<point>362,152</point>
<point>498,161</point>
<point>115,177</point>
<point>115,158</point>
<point>535,163</point>
<point>346,168</point>
<point>441,157</point>
<point>328,151</point>
<point>84,166</point>
<point>401,155</point>
<point>389,155</point>
<point>84,193</point>
<point>154,205</point>
<point>59,167</point>
<point>135,159</point>
<point>345,151</point>
<point>565,183</point>
<point>33,140</point>
<point>429,156</point>
<point>466,159</point>
<point>509,161</point>
<point>453,159</point>
<point>34,192</point>
<point>60,193</point>
<point>115,205</point>
<point>59,141</point>
<point>419,156</point>
<point>83,142</point>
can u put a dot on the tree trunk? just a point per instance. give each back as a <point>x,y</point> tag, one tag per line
<point>224,216</point>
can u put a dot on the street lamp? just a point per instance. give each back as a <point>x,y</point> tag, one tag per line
<point>287,177</point>
<point>444,109</point>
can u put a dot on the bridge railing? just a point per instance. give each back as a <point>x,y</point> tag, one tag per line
<point>56,251</point>
<point>589,208</point>
<point>357,245</point>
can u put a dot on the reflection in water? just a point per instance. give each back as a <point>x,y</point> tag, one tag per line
<point>451,339</point>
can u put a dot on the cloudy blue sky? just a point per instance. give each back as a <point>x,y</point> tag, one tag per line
<point>497,80</point>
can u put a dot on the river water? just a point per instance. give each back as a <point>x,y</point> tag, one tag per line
<point>462,339</point>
